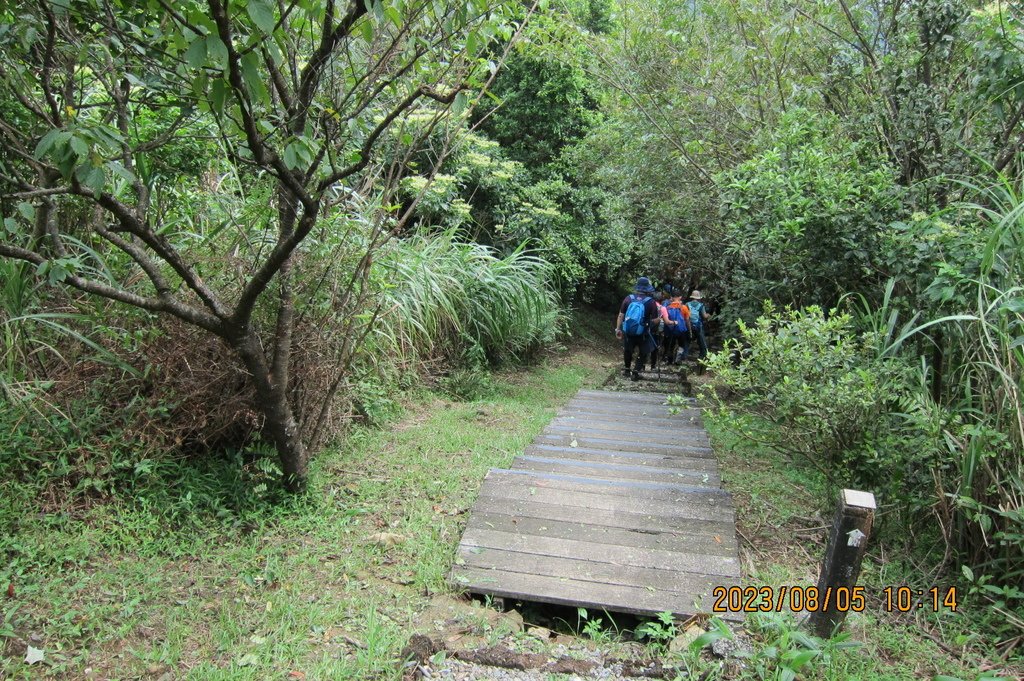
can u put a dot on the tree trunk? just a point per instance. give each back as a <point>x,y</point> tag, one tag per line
<point>280,425</point>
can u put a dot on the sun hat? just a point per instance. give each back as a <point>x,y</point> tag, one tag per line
<point>643,285</point>
<point>696,295</point>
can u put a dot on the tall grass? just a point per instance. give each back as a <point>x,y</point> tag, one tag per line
<point>986,388</point>
<point>446,294</point>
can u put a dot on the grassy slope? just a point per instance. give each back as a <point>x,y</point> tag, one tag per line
<point>329,585</point>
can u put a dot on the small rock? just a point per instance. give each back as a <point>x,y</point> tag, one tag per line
<point>730,647</point>
<point>513,619</point>
<point>34,655</point>
<point>682,642</point>
<point>539,632</point>
<point>386,538</point>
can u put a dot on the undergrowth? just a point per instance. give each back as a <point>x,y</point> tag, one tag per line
<point>196,570</point>
<point>784,511</point>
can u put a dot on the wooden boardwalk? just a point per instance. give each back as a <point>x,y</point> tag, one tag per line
<point>617,505</point>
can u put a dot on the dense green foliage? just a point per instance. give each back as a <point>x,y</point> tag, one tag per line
<point>234,228</point>
<point>855,157</point>
<point>804,219</point>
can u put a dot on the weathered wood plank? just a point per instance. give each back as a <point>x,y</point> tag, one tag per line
<point>656,421</point>
<point>639,411</point>
<point>615,471</point>
<point>692,523</point>
<point>670,491</point>
<point>687,459</point>
<point>623,396</point>
<point>658,580</point>
<point>693,436</point>
<point>587,552</point>
<point>643,409</point>
<point>580,593</point>
<point>702,539</point>
<point>618,444</point>
<point>687,419</point>
<point>586,502</point>
<point>677,432</point>
<point>609,412</point>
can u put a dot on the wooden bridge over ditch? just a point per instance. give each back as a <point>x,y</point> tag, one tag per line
<point>617,505</point>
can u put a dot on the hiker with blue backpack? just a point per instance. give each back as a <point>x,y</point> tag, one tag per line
<point>633,326</point>
<point>698,320</point>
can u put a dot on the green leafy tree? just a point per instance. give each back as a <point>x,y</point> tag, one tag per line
<point>545,103</point>
<point>805,218</point>
<point>301,97</point>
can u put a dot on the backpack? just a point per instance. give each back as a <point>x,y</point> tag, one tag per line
<point>696,307</point>
<point>675,314</point>
<point>634,323</point>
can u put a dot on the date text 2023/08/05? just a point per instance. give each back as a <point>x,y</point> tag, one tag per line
<point>813,599</point>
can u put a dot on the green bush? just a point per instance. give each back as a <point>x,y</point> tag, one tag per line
<point>813,387</point>
<point>804,218</point>
<point>808,375</point>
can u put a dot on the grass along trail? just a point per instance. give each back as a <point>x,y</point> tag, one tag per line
<point>330,585</point>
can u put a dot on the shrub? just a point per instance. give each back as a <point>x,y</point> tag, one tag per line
<point>804,218</point>
<point>811,386</point>
<point>808,375</point>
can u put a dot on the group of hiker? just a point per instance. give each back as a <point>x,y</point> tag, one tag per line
<point>655,324</point>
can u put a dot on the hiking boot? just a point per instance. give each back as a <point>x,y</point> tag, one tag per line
<point>625,372</point>
<point>635,376</point>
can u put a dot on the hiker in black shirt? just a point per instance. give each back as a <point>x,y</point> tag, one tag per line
<point>635,330</point>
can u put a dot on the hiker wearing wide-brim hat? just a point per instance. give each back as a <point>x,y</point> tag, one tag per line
<point>633,326</point>
<point>643,285</point>
<point>698,319</point>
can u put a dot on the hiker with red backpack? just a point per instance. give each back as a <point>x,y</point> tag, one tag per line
<point>678,330</point>
<point>636,314</point>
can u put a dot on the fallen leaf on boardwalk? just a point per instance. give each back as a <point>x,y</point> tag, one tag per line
<point>574,443</point>
<point>718,539</point>
<point>33,655</point>
<point>386,538</point>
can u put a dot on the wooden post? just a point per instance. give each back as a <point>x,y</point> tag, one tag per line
<point>841,567</point>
